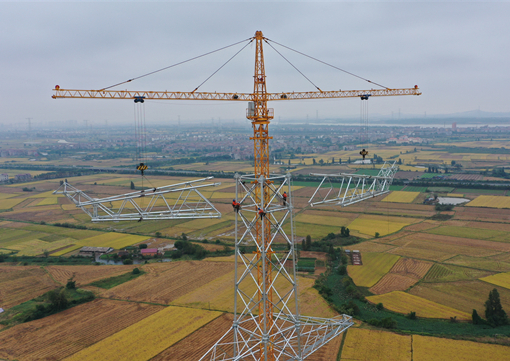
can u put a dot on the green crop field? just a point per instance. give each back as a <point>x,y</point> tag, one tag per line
<point>480,191</point>
<point>415,189</point>
<point>375,266</point>
<point>306,264</point>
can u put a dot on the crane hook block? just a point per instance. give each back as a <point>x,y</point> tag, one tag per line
<point>142,167</point>
<point>365,96</point>
<point>364,153</point>
<point>139,99</point>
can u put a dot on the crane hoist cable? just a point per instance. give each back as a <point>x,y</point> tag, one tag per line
<point>333,66</point>
<point>232,57</point>
<point>363,125</point>
<point>179,63</point>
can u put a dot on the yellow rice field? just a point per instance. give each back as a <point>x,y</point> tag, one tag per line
<point>500,279</point>
<point>9,203</point>
<point>8,195</point>
<point>383,225</point>
<point>36,247</point>
<point>375,266</point>
<point>48,201</point>
<point>363,344</point>
<point>148,337</point>
<point>114,240</point>
<point>490,202</point>
<point>455,195</point>
<point>401,197</point>
<point>398,301</point>
<point>427,348</point>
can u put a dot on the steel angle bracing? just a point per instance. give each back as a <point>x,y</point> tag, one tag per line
<point>280,334</point>
<point>344,189</point>
<point>175,201</point>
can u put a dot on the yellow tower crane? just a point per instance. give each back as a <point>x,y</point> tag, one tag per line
<point>260,116</point>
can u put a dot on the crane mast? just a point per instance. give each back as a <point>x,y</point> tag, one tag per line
<point>260,116</point>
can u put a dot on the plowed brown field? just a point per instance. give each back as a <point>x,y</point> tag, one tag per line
<point>405,273</point>
<point>86,274</point>
<point>166,284</point>
<point>58,336</point>
<point>411,267</point>
<point>393,282</point>
<point>19,284</point>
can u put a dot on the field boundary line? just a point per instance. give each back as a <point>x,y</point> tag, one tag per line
<point>51,276</point>
<point>339,354</point>
<point>182,339</point>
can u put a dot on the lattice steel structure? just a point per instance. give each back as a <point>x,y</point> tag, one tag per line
<point>353,188</point>
<point>267,324</point>
<point>176,201</point>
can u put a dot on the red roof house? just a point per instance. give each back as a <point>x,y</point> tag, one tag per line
<point>149,252</point>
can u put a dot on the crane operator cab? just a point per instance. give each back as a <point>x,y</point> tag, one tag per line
<point>363,153</point>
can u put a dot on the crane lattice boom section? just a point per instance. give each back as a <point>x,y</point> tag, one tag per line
<point>166,95</point>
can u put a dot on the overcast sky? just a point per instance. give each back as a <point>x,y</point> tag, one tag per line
<point>456,52</point>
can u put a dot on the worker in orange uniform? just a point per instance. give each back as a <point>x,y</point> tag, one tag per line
<point>236,205</point>
<point>261,213</point>
<point>284,196</point>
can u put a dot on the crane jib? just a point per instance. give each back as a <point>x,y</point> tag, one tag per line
<point>165,95</point>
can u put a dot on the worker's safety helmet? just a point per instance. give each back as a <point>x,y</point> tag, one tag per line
<point>233,200</point>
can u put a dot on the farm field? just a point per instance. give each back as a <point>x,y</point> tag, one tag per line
<point>362,344</point>
<point>86,274</point>
<point>500,279</point>
<point>20,284</point>
<point>440,349</point>
<point>401,197</point>
<point>464,296</point>
<point>63,334</point>
<point>166,282</point>
<point>219,295</point>
<point>490,202</point>
<point>401,302</point>
<point>454,261</point>
<point>375,266</point>
<point>366,345</point>
<point>153,335</point>
<point>370,224</point>
<point>405,273</point>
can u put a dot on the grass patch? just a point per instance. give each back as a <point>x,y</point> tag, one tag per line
<point>111,282</point>
<point>41,306</point>
<point>415,189</point>
<point>306,264</point>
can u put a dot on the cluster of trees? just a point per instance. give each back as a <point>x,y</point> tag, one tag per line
<point>187,248</point>
<point>494,314</point>
<point>326,244</point>
<point>58,300</point>
<point>69,225</point>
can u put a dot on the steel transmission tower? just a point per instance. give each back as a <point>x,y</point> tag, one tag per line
<point>267,325</point>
